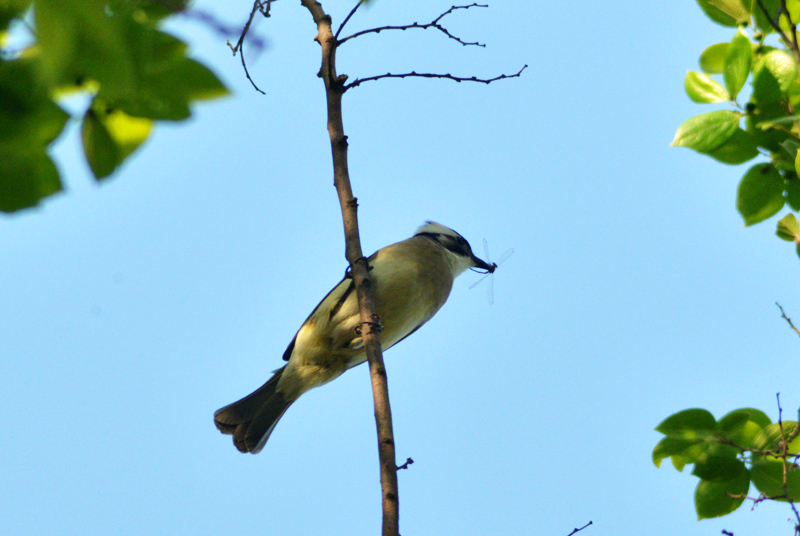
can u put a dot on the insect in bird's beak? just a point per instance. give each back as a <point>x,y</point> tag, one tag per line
<point>490,268</point>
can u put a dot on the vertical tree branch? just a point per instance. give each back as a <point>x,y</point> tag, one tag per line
<point>370,322</point>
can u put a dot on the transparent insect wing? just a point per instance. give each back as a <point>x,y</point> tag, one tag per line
<point>503,258</point>
<point>478,282</point>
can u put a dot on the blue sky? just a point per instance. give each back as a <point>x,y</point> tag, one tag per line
<point>136,308</point>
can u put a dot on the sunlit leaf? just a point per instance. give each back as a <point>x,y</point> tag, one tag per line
<point>773,75</point>
<point>738,58</point>
<point>706,132</point>
<point>712,60</point>
<point>742,425</point>
<point>703,89</point>
<point>725,12</point>
<point>772,435</point>
<point>788,228</point>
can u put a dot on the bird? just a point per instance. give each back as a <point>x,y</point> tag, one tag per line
<point>411,280</point>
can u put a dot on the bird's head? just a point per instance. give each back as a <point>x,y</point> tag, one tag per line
<point>456,245</point>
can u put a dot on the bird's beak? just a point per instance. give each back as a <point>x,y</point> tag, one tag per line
<point>490,268</point>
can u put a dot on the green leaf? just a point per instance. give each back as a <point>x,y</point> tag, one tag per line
<point>769,138</point>
<point>27,114</point>
<point>725,12</point>
<point>740,148</point>
<point>703,89</point>
<point>793,192</point>
<point>167,91</point>
<point>713,498</point>
<point>738,58</point>
<point>706,132</point>
<point>101,151</point>
<point>787,121</point>
<point>28,176</point>
<point>742,425</point>
<point>11,9</point>
<point>788,229</point>
<point>767,476</point>
<point>760,194</point>
<point>197,81</point>
<point>85,40</point>
<point>771,436</point>
<point>127,132</point>
<point>773,75</point>
<point>670,446</point>
<point>718,463</point>
<point>712,60</point>
<point>688,424</point>
<point>762,21</point>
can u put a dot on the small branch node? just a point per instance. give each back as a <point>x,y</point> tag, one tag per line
<point>409,461</point>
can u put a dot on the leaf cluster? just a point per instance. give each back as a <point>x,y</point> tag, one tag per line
<point>112,51</point>
<point>768,123</point>
<point>728,455</point>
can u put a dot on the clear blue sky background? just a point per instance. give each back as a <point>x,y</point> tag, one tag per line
<point>134,309</point>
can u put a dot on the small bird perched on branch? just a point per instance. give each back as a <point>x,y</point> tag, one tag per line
<point>411,280</point>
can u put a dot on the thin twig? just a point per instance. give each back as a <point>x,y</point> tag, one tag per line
<point>359,81</point>
<point>347,18</point>
<point>263,7</point>
<point>789,320</point>
<point>433,24</point>
<point>580,529</point>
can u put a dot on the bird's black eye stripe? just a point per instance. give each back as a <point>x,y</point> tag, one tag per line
<point>456,244</point>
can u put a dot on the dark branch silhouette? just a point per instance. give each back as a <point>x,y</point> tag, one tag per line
<point>789,320</point>
<point>580,529</point>
<point>358,81</point>
<point>433,24</point>
<point>347,18</point>
<point>409,461</point>
<point>263,7</point>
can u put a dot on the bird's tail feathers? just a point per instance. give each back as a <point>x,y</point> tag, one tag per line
<point>252,419</point>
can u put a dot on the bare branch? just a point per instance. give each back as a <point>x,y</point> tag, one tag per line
<point>359,81</point>
<point>370,321</point>
<point>789,320</point>
<point>580,529</point>
<point>433,24</point>
<point>263,7</point>
<point>347,18</point>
